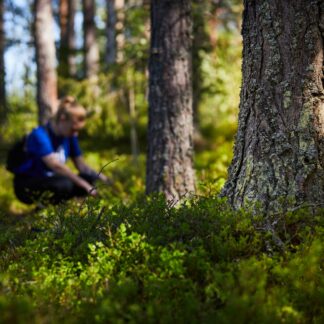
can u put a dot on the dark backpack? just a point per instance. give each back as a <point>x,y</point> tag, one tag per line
<point>17,155</point>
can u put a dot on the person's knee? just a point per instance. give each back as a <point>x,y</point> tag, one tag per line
<point>62,186</point>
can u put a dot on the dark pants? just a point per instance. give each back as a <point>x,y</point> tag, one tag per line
<point>48,189</point>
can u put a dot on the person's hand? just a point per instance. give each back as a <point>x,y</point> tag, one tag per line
<point>91,190</point>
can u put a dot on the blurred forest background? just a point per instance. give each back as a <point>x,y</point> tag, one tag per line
<point>102,60</point>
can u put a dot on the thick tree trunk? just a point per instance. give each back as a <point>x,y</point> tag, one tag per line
<point>91,50</point>
<point>3,101</point>
<point>279,150</point>
<point>67,61</point>
<point>170,148</point>
<point>45,60</point>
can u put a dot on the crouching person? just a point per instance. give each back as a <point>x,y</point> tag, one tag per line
<point>48,147</point>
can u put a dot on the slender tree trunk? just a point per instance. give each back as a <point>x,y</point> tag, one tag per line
<point>279,150</point>
<point>115,31</point>
<point>133,131</point>
<point>201,42</point>
<point>213,23</point>
<point>45,60</point>
<point>111,48</point>
<point>120,30</point>
<point>67,61</point>
<point>64,48</point>
<point>132,117</point>
<point>71,39</point>
<point>3,101</point>
<point>91,50</point>
<point>170,148</point>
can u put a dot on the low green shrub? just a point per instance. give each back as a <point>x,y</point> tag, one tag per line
<point>151,262</point>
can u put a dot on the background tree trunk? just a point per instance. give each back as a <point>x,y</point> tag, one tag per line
<point>133,131</point>
<point>3,101</point>
<point>279,150</point>
<point>67,61</point>
<point>170,131</point>
<point>200,43</point>
<point>91,50</point>
<point>71,38</point>
<point>45,60</point>
<point>120,30</point>
<point>115,31</point>
<point>131,102</point>
<point>111,47</point>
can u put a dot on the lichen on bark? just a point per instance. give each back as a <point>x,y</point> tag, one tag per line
<point>278,155</point>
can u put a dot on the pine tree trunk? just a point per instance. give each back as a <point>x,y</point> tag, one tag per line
<point>64,49</point>
<point>200,43</point>
<point>115,31</point>
<point>120,30</point>
<point>132,117</point>
<point>111,47</point>
<point>91,50</point>
<point>279,150</point>
<point>71,39</point>
<point>170,148</point>
<point>45,60</point>
<point>3,101</point>
<point>67,61</point>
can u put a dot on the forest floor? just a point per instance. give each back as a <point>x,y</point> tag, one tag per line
<point>127,258</point>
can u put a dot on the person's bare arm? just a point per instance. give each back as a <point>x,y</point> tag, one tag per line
<point>82,167</point>
<point>54,164</point>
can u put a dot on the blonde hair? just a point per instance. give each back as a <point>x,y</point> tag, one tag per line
<point>68,107</point>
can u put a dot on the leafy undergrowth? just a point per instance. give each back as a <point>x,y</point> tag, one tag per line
<point>149,262</point>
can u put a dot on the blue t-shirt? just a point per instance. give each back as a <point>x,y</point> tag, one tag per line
<point>43,141</point>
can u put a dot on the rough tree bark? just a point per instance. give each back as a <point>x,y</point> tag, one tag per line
<point>45,60</point>
<point>91,49</point>
<point>67,60</point>
<point>279,150</point>
<point>3,101</point>
<point>170,131</point>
